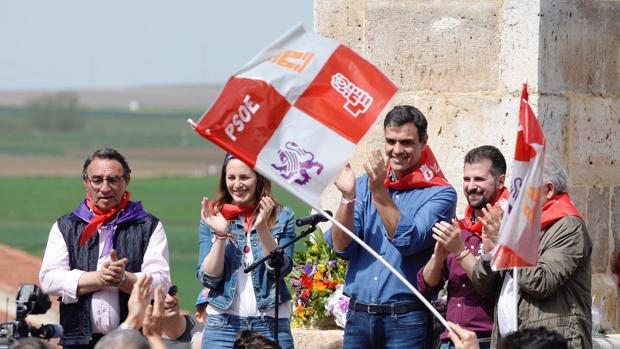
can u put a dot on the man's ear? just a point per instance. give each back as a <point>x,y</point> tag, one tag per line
<point>549,190</point>
<point>501,181</point>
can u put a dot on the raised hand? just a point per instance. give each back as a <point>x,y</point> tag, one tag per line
<point>265,207</point>
<point>345,182</point>
<point>152,325</point>
<point>213,218</point>
<point>376,169</point>
<point>138,301</point>
<point>491,224</point>
<point>449,236</point>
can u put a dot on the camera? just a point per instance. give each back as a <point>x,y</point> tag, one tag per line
<point>29,300</point>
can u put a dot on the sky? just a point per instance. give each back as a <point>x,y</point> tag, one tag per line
<point>70,44</point>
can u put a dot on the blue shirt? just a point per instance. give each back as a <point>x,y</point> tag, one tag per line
<point>368,281</point>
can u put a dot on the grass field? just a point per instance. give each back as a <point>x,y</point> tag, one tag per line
<point>29,206</point>
<point>121,129</point>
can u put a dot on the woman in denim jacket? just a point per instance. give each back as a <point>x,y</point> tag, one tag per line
<point>242,224</point>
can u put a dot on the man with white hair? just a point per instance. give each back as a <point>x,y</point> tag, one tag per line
<point>556,292</point>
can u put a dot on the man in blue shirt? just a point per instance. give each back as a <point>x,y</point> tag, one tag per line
<point>393,208</point>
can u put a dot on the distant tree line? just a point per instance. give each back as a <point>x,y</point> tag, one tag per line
<point>55,112</point>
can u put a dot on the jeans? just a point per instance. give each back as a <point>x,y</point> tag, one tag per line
<point>221,330</point>
<point>411,330</point>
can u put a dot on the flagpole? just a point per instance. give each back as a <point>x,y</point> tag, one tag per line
<point>385,263</point>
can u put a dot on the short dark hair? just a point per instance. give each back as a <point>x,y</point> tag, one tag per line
<point>402,114</point>
<point>247,339</point>
<point>534,338</point>
<point>489,152</point>
<point>106,153</point>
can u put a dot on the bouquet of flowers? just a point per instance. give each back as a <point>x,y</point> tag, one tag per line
<point>315,279</point>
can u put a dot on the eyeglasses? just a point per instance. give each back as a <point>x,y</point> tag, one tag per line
<point>97,181</point>
<point>173,290</point>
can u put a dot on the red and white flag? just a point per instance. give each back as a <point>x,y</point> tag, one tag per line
<point>296,112</point>
<point>520,229</point>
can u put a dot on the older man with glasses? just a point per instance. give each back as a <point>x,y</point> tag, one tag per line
<point>95,254</point>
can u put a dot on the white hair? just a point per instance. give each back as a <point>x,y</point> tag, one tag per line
<point>554,173</point>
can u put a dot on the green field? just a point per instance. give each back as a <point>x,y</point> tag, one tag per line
<point>29,206</point>
<point>120,129</point>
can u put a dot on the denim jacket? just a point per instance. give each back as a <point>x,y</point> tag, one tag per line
<point>222,287</point>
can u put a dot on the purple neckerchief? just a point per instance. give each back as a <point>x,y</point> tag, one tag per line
<point>132,212</point>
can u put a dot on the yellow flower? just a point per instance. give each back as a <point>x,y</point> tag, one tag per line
<point>321,267</point>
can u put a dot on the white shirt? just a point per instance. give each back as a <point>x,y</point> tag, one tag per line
<point>507,307</point>
<point>244,302</point>
<point>507,302</point>
<point>56,277</point>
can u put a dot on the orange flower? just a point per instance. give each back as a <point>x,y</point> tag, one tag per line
<point>319,285</point>
<point>318,275</point>
<point>333,284</point>
<point>299,310</point>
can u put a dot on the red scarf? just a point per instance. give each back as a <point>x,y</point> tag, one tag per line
<point>559,206</point>
<point>428,174</point>
<point>466,224</point>
<point>100,216</point>
<point>230,211</point>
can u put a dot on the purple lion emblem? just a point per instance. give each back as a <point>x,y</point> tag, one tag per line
<point>295,163</point>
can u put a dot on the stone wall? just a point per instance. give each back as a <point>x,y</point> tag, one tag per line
<point>463,65</point>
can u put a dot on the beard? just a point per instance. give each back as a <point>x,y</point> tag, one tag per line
<point>480,201</point>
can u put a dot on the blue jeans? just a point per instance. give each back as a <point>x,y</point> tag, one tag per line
<point>221,330</point>
<point>411,330</point>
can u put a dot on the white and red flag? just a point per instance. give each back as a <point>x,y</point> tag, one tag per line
<point>520,229</point>
<point>296,112</point>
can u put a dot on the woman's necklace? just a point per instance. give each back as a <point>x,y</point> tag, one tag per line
<point>248,229</point>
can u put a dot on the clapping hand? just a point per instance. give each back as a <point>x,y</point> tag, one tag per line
<point>265,207</point>
<point>138,301</point>
<point>448,236</point>
<point>213,218</point>
<point>112,271</point>
<point>491,224</point>
<point>152,325</point>
<point>345,182</point>
<point>376,169</point>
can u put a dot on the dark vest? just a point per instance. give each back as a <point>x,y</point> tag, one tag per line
<point>130,241</point>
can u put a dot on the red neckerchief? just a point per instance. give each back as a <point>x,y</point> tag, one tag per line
<point>230,211</point>
<point>428,174</point>
<point>100,216</point>
<point>466,223</point>
<point>559,206</point>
